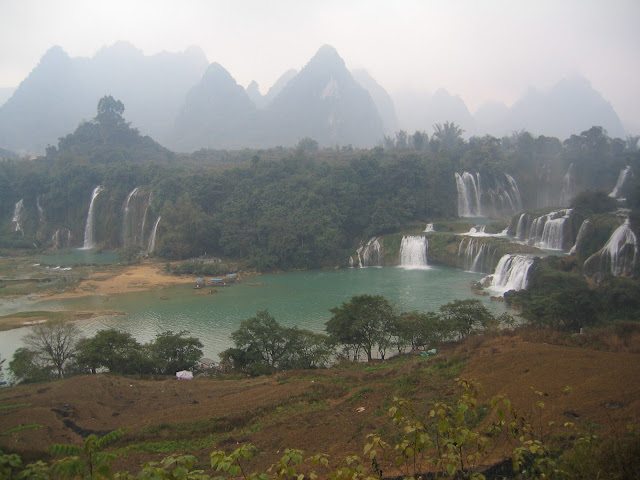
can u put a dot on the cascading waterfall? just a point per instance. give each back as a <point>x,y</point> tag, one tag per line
<point>413,252</point>
<point>475,255</point>
<point>126,221</point>
<point>370,255</point>
<point>503,197</point>
<point>581,233</point>
<point>88,230</point>
<point>351,263</point>
<point>624,175</point>
<point>468,188</point>
<point>567,187</point>
<point>152,237</point>
<point>18,216</point>
<point>511,274</point>
<point>618,255</point>
<point>62,238</point>
<point>546,231</point>
<point>40,210</point>
<point>429,228</point>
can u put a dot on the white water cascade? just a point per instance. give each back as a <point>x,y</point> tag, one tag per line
<point>128,237</point>
<point>18,216</point>
<point>468,188</point>
<point>62,238</point>
<point>567,187</point>
<point>546,231</point>
<point>624,175</point>
<point>413,252</point>
<point>89,241</point>
<point>618,255</point>
<point>475,255</point>
<point>152,237</point>
<point>511,274</point>
<point>370,255</point>
<point>429,228</point>
<point>581,233</point>
<point>40,209</point>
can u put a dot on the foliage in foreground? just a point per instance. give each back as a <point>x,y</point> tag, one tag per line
<point>461,439</point>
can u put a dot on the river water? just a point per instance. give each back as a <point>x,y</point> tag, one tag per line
<point>300,299</point>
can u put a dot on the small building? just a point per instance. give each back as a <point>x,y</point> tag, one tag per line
<point>184,375</point>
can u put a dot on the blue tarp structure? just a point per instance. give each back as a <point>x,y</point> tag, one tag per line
<point>216,279</point>
<point>199,280</point>
<point>232,275</point>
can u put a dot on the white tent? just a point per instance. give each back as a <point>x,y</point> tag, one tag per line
<point>184,375</point>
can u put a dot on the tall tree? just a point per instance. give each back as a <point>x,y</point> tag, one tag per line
<point>55,342</point>
<point>362,323</point>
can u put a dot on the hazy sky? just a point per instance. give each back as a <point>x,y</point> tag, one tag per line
<point>480,50</point>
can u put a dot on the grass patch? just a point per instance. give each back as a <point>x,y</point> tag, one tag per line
<point>360,393</point>
<point>11,431</point>
<point>15,405</point>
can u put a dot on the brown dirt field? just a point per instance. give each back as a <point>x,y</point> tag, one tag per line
<point>328,411</point>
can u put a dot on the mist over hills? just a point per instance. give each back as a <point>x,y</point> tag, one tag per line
<point>186,104</point>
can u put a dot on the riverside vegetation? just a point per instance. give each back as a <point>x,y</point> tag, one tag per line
<point>308,208</point>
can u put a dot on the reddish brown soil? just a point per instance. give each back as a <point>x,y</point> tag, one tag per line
<point>328,411</point>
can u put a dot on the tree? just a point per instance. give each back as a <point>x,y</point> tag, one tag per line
<point>263,335</point>
<point>173,352</point>
<point>464,316</point>
<point>112,349</point>
<point>419,330</point>
<point>362,323</point>
<point>26,367</point>
<point>54,342</point>
<point>110,112</point>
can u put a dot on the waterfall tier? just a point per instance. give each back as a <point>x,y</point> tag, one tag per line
<point>152,237</point>
<point>413,252</point>
<point>475,201</point>
<point>624,175</point>
<point>89,241</point>
<point>581,234</point>
<point>134,216</point>
<point>567,187</point>
<point>370,255</point>
<point>18,216</point>
<point>475,255</point>
<point>511,274</point>
<point>62,238</point>
<point>618,256</point>
<point>546,231</point>
<point>429,228</point>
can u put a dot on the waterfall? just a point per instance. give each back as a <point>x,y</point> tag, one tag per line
<point>89,241</point>
<point>126,220</point>
<point>413,252</point>
<point>521,229</point>
<point>511,274</point>
<point>429,228</point>
<point>581,233</point>
<point>618,255</point>
<point>40,209</point>
<point>350,262</point>
<point>567,187</point>
<point>152,237</point>
<point>370,255</point>
<point>62,238</point>
<point>546,231</point>
<point>515,198</point>
<point>625,173</point>
<point>18,216</point>
<point>474,254</point>
<point>468,194</point>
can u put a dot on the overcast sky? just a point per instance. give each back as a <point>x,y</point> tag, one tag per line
<point>480,50</point>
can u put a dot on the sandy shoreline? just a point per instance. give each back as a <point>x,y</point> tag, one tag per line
<point>134,278</point>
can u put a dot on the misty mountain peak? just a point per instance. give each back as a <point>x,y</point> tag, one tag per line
<point>326,57</point>
<point>119,51</point>
<point>54,55</point>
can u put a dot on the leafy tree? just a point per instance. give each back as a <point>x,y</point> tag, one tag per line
<point>54,342</point>
<point>361,324</point>
<point>265,336</point>
<point>27,367</point>
<point>112,349</point>
<point>110,112</point>
<point>419,330</point>
<point>173,352</point>
<point>307,350</point>
<point>464,316</point>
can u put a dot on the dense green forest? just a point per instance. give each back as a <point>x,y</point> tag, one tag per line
<point>278,208</point>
